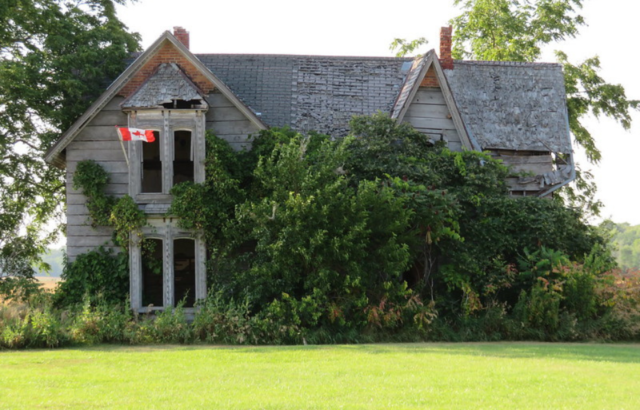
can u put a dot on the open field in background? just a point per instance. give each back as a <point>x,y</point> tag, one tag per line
<point>48,283</point>
<point>403,376</point>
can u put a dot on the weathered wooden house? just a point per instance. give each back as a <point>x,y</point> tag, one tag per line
<point>516,111</point>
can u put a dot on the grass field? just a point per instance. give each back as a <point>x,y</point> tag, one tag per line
<point>48,282</point>
<point>412,376</point>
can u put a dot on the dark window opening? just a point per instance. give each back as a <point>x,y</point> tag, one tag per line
<point>182,104</point>
<point>183,157</point>
<point>151,178</point>
<point>184,260</point>
<point>152,272</point>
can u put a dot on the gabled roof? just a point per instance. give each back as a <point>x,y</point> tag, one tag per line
<point>319,93</point>
<point>510,106</point>
<point>54,154</point>
<point>167,85</point>
<point>410,88</point>
<point>514,106</point>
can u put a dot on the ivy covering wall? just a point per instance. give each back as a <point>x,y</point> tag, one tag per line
<point>380,233</point>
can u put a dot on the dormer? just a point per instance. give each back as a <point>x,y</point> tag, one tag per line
<point>171,105</point>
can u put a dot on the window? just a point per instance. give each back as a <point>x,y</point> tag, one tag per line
<point>152,269</point>
<point>151,166</point>
<point>184,267</point>
<point>167,266</point>
<point>183,157</point>
<point>177,154</point>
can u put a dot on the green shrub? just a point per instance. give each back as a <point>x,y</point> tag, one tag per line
<point>98,274</point>
<point>319,240</point>
<point>32,327</point>
<point>100,322</point>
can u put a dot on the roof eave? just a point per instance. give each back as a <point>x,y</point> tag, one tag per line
<point>432,59</point>
<point>54,154</point>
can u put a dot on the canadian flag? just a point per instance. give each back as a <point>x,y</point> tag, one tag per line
<point>135,134</point>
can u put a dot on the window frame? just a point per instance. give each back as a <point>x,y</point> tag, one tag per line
<point>165,229</point>
<point>166,122</point>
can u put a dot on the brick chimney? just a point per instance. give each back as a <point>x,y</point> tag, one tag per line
<point>445,48</point>
<point>182,35</point>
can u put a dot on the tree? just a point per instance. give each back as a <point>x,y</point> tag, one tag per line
<point>56,57</point>
<point>625,240</point>
<point>516,30</point>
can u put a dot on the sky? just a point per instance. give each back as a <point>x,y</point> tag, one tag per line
<point>366,28</point>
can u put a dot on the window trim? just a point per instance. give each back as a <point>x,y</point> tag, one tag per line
<point>141,149</point>
<point>167,231</point>
<point>166,122</point>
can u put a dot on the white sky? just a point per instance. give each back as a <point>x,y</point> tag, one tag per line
<point>366,28</point>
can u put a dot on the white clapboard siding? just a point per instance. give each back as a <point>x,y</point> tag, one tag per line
<point>429,96</point>
<point>99,133</point>
<point>88,230</point>
<point>434,111</point>
<point>222,128</point>
<point>224,114</point>
<point>73,252</point>
<point>429,114</point>
<point>109,166</point>
<point>516,184</point>
<point>118,185</point>
<point>218,100</point>
<point>228,123</point>
<point>110,118</point>
<point>98,141</point>
<point>93,241</point>
<point>535,164</point>
<point>96,155</point>
<point>434,123</point>
<point>77,209</point>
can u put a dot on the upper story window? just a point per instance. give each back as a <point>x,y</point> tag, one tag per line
<point>183,169</point>
<point>151,172</point>
<point>177,155</point>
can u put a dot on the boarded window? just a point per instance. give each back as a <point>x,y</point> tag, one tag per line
<point>152,272</point>
<point>184,256</point>
<point>151,166</point>
<point>183,157</point>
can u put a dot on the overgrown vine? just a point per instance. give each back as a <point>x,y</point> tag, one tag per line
<point>105,210</point>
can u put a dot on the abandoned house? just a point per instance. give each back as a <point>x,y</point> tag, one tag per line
<point>515,111</point>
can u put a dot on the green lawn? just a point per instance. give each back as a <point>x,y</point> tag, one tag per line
<point>411,376</point>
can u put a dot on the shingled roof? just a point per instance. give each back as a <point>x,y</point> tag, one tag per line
<point>167,85</point>
<point>516,106</point>
<point>513,106</point>
<point>319,93</point>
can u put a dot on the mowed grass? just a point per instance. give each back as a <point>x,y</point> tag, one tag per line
<point>402,376</point>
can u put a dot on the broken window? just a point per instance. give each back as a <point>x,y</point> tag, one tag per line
<point>182,104</point>
<point>184,260</point>
<point>152,272</point>
<point>151,176</point>
<point>183,157</point>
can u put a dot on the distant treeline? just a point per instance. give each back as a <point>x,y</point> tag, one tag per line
<point>626,241</point>
<point>55,259</point>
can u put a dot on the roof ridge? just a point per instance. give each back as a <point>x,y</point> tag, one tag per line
<point>307,56</point>
<point>506,63</point>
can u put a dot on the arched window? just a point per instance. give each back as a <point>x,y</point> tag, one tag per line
<point>183,154</point>
<point>151,175</point>
<point>152,272</point>
<point>184,266</point>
